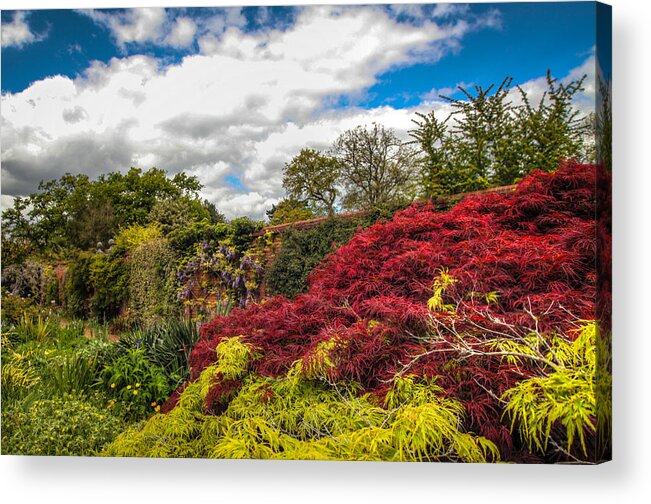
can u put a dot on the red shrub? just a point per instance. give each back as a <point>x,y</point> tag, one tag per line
<point>536,248</point>
<point>220,395</point>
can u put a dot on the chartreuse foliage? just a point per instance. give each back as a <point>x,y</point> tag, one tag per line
<point>133,236</point>
<point>441,283</point>
<point>572,394</point>
<point>18,374</point>
<point>302,416</point>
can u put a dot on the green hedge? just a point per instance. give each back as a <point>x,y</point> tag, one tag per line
<point>303,249</point>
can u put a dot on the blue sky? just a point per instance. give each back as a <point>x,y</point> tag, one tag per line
<point>230,95</point>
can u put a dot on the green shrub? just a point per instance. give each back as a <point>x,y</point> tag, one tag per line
<point>184,240</point>
<point>109,276</point>
<point>60,426</point>
<point>72,374</point>
<point>19,375</point>
<point>14,307</point>
<point>302,250</point>
<point>152,283</point>
<point>167,345</point>
<point>136,385</point>
<point>37,328</point>
<point>78,285</point>
<point>100,350</point>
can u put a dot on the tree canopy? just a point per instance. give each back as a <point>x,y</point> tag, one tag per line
<point>312,177</point>
<point>76,212</point>
<point>377,168</point>
<point>495,135</point>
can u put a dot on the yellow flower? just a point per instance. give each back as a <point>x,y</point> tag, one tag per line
<point>112,385</point>
<point>153,404</point>
<point>135,392</point>
<point>158,408</point>
<point>137,385</point>
<point>128,387</point>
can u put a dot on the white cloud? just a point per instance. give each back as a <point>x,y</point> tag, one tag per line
<point>437,93</point>
<point>164,27</point>
<point>583,101</point>
<point>132,25</point>
<point>17,33</point>
<point>242,107</point>
<point>183,31</point>
<point>6,202</point>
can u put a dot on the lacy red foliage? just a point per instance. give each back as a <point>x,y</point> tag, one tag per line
<point>172,400</point>
<point>536,248</point>
<point>220,394</point>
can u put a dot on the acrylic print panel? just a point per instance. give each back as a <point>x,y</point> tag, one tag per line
<point>375,232</point>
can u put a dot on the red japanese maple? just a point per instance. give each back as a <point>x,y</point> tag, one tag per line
<point>535,249</point>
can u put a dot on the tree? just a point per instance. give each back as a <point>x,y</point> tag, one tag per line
<point>93,222</point>
<point>174,213</point>
<point>440,172</point>
<point>312,176</point>
<point>134,193</point>
<point>604,125</point>
<point>289,210</point>
<point>484,141</point>
<point>376,168</point>
<point>215,215</point>
<point>73,212</point>
<point>489,140</point>
<point>551,131</point>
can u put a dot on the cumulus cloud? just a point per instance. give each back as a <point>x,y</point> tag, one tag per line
<point>17,33</point>
<point>583,101</point>
<point>239,109</point>
<point>132,25</point>
<point>182,33</point>
<point>164,27</point>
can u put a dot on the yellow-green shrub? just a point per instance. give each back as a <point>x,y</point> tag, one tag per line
<point>573,397</point>
<point>297,418</point>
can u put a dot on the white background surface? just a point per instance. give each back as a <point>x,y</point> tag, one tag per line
<point>625,480</point>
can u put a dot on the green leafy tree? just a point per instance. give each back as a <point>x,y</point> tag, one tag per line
<point>15,221</point>
<point>604,126</point>
<point>135,193</point>
<point>175,213</point>
<point>376,167</point>
<point>312,176</point>
<point>289,210</point>
<point>93,222</point>
<point>440,173</point>
<point>215,216</point>
<point>73,212</point>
